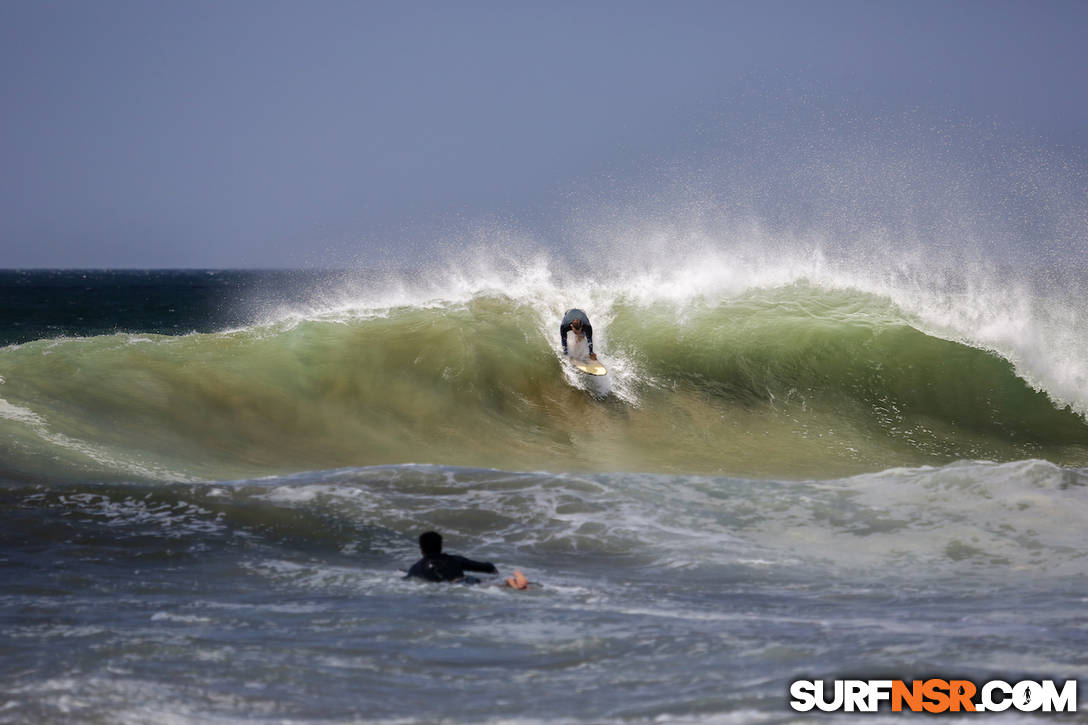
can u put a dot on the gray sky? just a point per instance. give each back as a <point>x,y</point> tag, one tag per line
<point>246,133</point>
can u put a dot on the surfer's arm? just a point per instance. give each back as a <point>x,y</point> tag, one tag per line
<point>563,330</point>
<point>589,335</point>
<point>482,566</point>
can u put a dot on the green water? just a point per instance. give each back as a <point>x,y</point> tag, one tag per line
<point>793,382</point>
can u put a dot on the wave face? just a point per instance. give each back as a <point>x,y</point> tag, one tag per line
<point>797,379</point>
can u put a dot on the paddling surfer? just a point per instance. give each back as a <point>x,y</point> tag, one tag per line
<point>577,322</point>
<point>436,566</point>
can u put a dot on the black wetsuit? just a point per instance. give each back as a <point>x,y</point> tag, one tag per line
<point>564,328</point>
<point>447,568</point>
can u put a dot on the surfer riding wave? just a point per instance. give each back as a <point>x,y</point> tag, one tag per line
<point>576,322</point>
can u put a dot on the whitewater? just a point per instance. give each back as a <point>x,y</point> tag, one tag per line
<point>799,466</point>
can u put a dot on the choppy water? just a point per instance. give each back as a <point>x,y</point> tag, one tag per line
<point>210,481</point>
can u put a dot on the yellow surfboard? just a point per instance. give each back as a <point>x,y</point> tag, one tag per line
<point>591,367</point>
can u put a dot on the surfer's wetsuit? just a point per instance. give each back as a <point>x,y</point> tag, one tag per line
<point>447,568</point>
<point>564,328</point>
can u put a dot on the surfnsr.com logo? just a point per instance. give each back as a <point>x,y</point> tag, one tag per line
<point>933,696</point>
